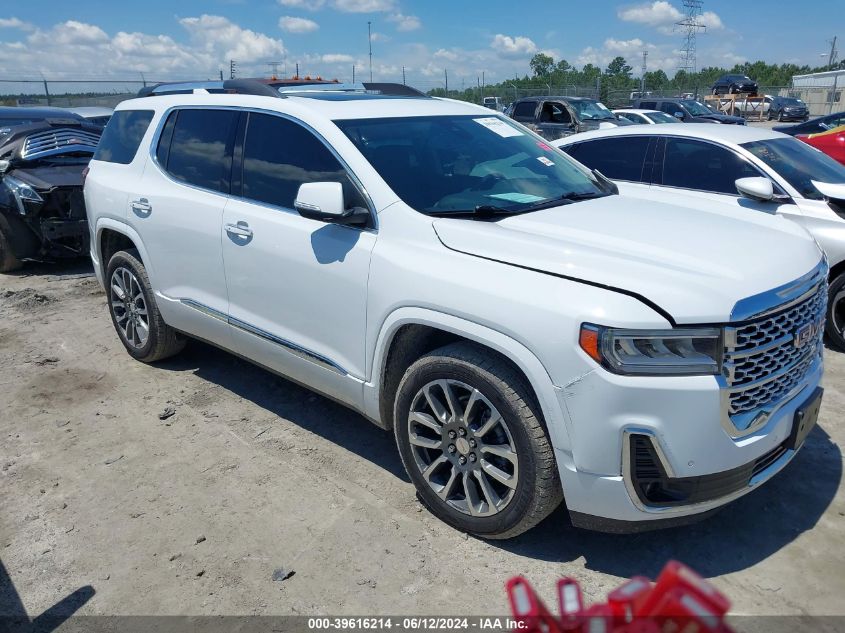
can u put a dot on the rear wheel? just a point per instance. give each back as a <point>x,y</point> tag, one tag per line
<point>835,325</point>
<point>472,442</point>
<point>8,261</point>
<point>134,312</point>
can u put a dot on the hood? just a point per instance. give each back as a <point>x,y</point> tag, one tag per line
<point>723,118</point>
<point>695,265</point>
<point>50,176</point>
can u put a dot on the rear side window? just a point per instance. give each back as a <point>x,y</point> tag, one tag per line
<point>648,105</point>
<point>617,158</point>
<point>670,107</point>
<point>524,111</point>
<point>122,136</point>
<point>280,155</point>
<point>200,150</point>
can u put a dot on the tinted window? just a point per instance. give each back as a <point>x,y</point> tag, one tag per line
<point>280,155</point>
<point>648,105</point>
<point>670,108</point>
<point>618,158</point>
<point>525,110</point>
<point>123,135</point>
<point>200,151</point>
<point>693,164</point>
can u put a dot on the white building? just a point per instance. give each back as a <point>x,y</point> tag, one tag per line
<point>822,92</point>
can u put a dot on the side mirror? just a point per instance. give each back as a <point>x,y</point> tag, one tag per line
<point>759,189</point>
<point>678,115</point>
<point>324,201</point>
<point>4,166</point>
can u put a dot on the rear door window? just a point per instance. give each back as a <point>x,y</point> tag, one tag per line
<point>692,164</point>
<point>619,158</point>
<point>648,105</point>
<point>524,111</point>
<point>200,150</point>
<point>670,107</point>
<point>122,136</point>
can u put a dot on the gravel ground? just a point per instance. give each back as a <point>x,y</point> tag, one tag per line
<point>258,497</point>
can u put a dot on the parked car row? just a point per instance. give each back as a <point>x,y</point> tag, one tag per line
<point>610,325</point>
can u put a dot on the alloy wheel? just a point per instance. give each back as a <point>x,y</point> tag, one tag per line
<point>837,312</point>
<point>129,307</point>
<point>463,448</point>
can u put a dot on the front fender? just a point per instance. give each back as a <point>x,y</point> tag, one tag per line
<point>556,419</point>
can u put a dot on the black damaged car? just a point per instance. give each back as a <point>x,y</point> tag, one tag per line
<point>43,152</point>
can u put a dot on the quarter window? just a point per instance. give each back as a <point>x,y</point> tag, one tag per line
<point>280,155</point>
<point>524,111</point>
<point>691,164</point>
<point>618,158</point>
<point>200,151</point>
<point>122,136</point>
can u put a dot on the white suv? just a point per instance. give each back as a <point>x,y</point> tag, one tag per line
<point>527,333</point>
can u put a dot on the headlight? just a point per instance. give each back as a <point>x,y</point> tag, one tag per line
<point>22,192</point>
<point>678,352</point>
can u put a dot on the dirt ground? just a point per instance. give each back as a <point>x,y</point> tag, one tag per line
<point>254,478</point>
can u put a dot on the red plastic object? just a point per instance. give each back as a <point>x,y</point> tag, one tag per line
<point>680,600</point>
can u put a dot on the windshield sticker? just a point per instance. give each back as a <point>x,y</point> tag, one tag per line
<point>543,146</point>
<point>516,197</point>
<point>545,161</point>
<point>498,126</point>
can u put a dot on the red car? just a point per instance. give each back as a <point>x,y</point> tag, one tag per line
<point>831,142</point>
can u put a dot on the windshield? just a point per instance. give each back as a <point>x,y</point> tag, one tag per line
<point>798,164</point>
<point>591,110</point>
<point>695,108</point>
<point>447,164</point>
<point>790,101</point>
<point>661,117</point>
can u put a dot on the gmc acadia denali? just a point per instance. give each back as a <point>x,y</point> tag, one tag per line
<point>526,333</point>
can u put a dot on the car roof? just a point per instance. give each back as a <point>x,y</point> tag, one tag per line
<point>332,106</point>
<point>555,98</point>
<point>11,112</point>
<point>637,111</point>
<point>734,134</point>
<point>90,111</point>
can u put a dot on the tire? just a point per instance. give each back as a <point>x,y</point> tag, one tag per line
<point>780,117</point>
<point>470,372</point>
<point>8,261</point>
<point>835,323</point>
<point>125,274</point>
<point>769,115</point>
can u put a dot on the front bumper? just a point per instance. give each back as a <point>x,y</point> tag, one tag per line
<point>682,417</point>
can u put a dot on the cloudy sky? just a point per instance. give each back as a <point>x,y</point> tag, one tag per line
<point>164,39</point>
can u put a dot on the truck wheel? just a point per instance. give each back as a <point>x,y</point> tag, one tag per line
<point>8,261</point>
<point>472,441</point>
<point>134,312</point>
<point>835,325</point>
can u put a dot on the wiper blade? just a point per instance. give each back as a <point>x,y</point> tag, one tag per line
<point>481,211</point>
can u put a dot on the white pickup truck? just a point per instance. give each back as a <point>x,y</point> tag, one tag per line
<point>525,332</point>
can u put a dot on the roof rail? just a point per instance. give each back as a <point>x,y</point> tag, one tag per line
<point>326,87</point>
<point>235,86</point>
<point>394,89</point>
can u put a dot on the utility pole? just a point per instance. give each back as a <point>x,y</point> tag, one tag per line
<point>233,68</point>
<point>274,68</point>
<point>221,74</point>
<point>645,69</point>
<point>482,86</point>
<point>831,59</point>
<point>297,70</point>
<point>690,25</point>
<point>403,76</point>
<point>353,73</point>
<point>370,40</point>
<point>446,75</point>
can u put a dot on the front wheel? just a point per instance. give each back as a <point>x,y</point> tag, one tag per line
<point>134,312</point>
<point>835,326</point>
<point>8,261</point>
<point>472,442</point>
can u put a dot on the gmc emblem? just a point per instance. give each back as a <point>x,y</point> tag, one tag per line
<point>807,333</point>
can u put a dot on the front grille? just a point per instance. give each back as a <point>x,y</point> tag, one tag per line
<point>763,363</point>
<point>59,141</point>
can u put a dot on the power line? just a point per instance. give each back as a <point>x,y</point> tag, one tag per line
<point>690,26</point>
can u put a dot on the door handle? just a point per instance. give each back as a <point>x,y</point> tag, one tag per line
<point>142,205</point>
<point>241,229</point>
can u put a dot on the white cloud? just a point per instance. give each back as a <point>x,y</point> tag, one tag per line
<point>309,5</point>
<point>336,58</point>
<point>657,13</point>
<point>364,6</point>
<point>444,54</point>
<point>297,25</point>
<point>380,37</point>
<point>15,23</point>
<point>516,46</point>
<point>222,39</point>
<point>405,22</point>
<point>711,20</point>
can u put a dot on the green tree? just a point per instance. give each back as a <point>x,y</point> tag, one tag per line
<point>618,68</point>
<point>541,64</point>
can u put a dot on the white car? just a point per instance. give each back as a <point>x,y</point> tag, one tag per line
<point>780,175</point>
<point>646,117</point>
<point>525,332</point>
